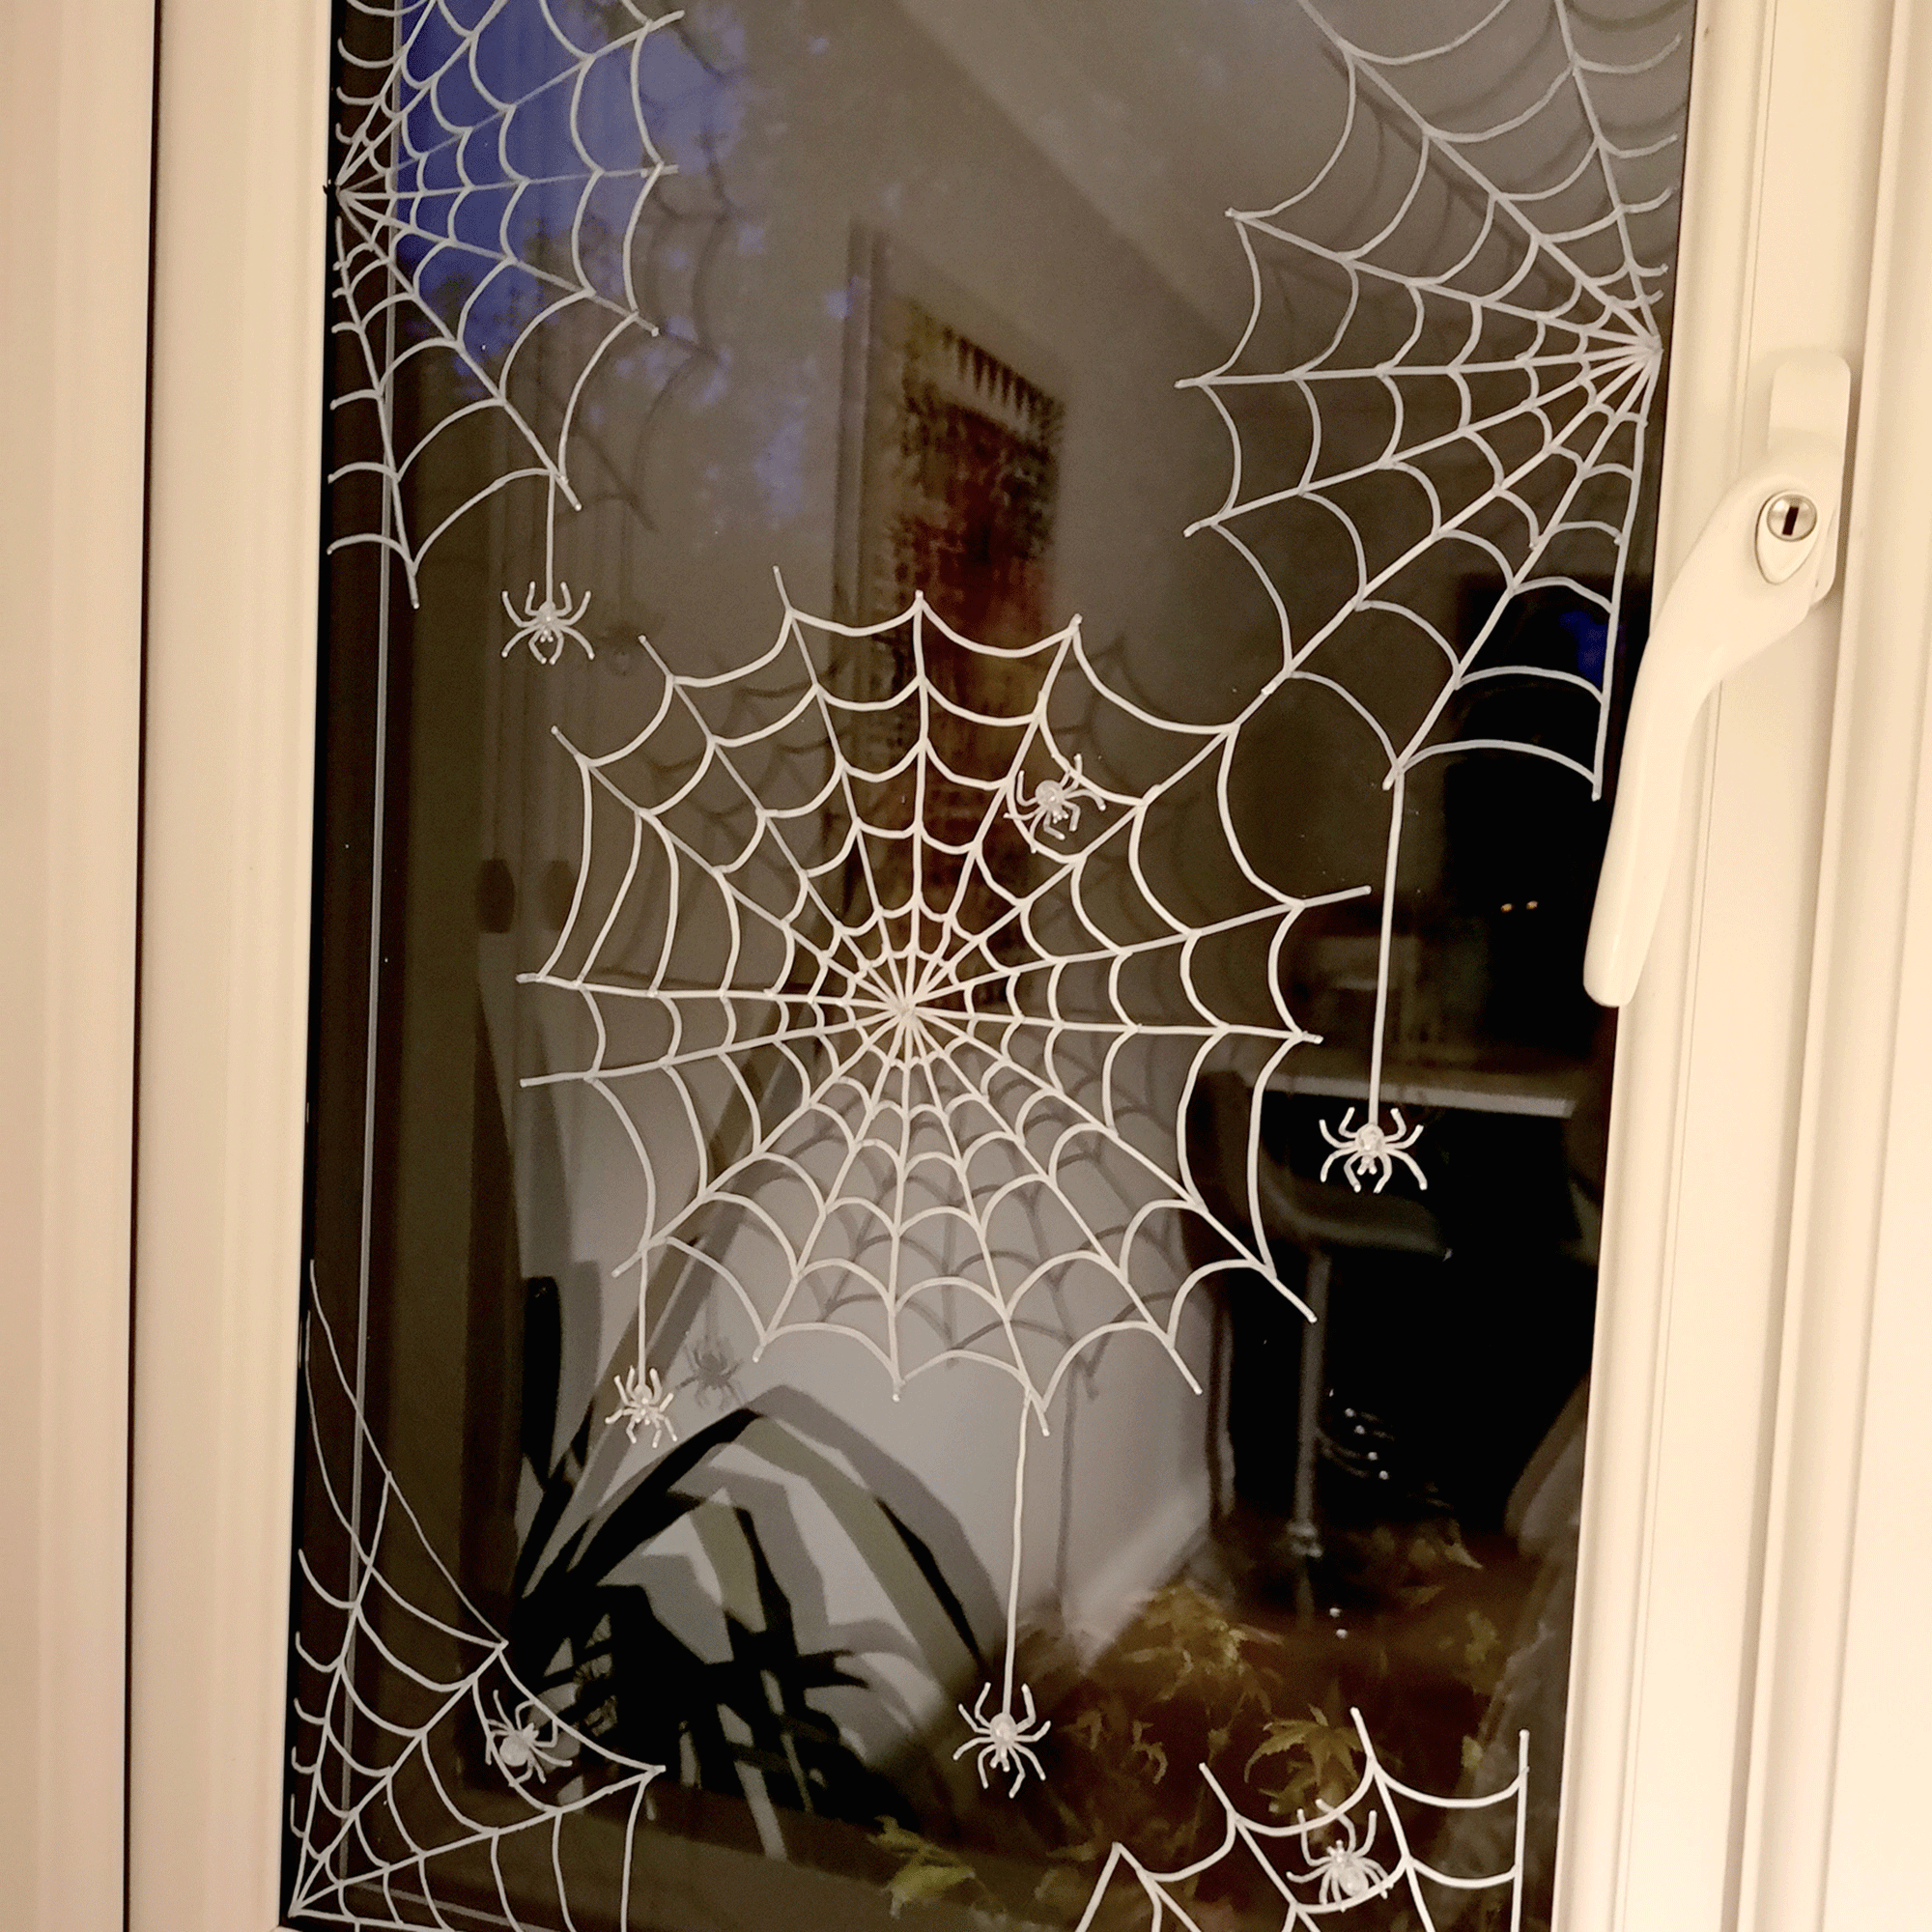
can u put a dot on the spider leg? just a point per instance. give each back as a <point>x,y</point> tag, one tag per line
<point>1338,1137</point>
<point>1421,1178</point>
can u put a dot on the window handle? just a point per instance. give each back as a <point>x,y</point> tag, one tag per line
<point>1766,555</point>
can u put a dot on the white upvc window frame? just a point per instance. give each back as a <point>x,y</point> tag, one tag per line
<point>1744,1639</point>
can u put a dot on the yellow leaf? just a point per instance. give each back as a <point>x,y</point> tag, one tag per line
<point>1154,1754</point>
<point>918,1881</point>
<point>1330,1753</point>
<point>1472,1754</point>
<point>1482,1640</point>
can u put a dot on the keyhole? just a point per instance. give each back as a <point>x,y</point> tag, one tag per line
<point>1790,518</point>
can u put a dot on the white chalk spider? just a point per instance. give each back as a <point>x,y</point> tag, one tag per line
<point>1055,803</point>
<point>518,1745</point>
<point>546,627</point>
<point>1002,1740</point>
<point>1345,1867</point>
<point>1367,1149</point>
<point>645,1403</point>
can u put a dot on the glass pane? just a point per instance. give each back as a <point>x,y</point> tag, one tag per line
<point>957,1147</point>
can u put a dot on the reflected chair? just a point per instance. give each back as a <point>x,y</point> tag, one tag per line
<point>1320,1220</point>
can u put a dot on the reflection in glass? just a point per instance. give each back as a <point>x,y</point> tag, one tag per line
<point>956,1149</point>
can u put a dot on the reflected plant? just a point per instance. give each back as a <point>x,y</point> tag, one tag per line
<point>584,1619</point>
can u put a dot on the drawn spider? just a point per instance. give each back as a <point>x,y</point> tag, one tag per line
<point>1055,803</point>
<point>714,1373</point>
<point>547,624</point>
<point>1367,1149</point>
<point>517,1747</point>
<point>645,1403</point>
<point>1346,1869</point>
<point>1002,1740</point>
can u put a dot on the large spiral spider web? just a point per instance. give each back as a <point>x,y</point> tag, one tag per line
<point>1334,1862</point>
<point>490,250</point>
<point>429,1785</point>
<point>1449,368</point>
<point>899,1005</point>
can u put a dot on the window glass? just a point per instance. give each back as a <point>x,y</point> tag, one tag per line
<point>957,1147</point>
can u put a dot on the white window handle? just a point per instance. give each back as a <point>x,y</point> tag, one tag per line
<point>1766,555</point>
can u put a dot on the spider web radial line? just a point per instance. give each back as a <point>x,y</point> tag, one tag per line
<point>718,1190</point>
<point>980,1210</point>
<point>1123,952</point>
<point>1389,460</point>
<point>1356,60</point>
<point>855,841</point>
<point>1600,148</point>
<point>765,818</point>
<point>450,189</point>
<point>1184,1196</point>
<point>1454,526</point>
<point>1517,575</point>
<point>402,1818</point>
<point>1005,1301</point>
<point>739,901</point>
<point>874,1102</point>
<point>1342,1875</point>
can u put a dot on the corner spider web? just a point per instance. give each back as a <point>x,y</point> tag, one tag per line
<point>1449,370</point>
<point>898,1003</point>
<point>428,1785</point>
<point>1334,1862</point>
<point>490,191</point>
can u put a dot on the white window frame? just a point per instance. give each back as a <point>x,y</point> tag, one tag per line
<point>76,91</point>
<point>1738,1756</point>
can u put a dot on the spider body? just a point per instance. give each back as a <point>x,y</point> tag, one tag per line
<point>1347,1872</point>
<point>645,1403</point>
<point>519,1746</point>
<point>548,626</point>
<point>1367,1149</point>
<point>1002,1740</point>
<point>1055,804</point>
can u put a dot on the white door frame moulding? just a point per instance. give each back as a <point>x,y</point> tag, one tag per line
<point>233,538</point>
<point>1707,1116</point>
<point>1844,1688</point>
<point>76,89</point>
